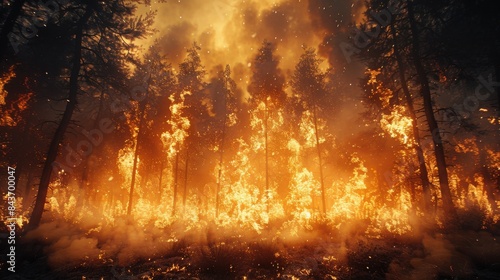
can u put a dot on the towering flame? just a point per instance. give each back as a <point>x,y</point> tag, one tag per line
<point>174,139</point>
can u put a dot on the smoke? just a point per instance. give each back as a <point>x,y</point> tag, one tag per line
<point>175,41</point>
<point>122,243</point>
<point>65,245</point>
<point>231,32</point>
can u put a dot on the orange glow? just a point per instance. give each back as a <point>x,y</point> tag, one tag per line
<point>234,150</point>
<point>10,114</point>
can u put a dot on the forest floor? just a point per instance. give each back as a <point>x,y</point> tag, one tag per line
<point>318,254</point>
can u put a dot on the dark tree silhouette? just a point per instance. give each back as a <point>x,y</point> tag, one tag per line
<point>225,91</point>
<point>113,20</point>
<point>266,85</point>
<point>402,47</point>
<point>191,79</point>
<point>308,83</point>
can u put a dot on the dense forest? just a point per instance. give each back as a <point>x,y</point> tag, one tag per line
<point>250,140</point>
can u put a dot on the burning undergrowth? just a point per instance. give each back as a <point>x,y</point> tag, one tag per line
<point>126,250</point>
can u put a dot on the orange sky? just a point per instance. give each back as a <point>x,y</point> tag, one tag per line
<point>231,31</point>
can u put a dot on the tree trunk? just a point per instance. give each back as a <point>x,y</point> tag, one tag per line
<point>424,174</point>
<point>221,156</point>
<point>266,119</point>
<point>449,208</point>
<point>160,181</point>
<point>84,194</point>
<point>487,178</point>
<point>142,109</point>
<point>186,166</point>
<point>320,162</point>
<point>15,12</point>
<point>27,190</point>
<point>36,216</point>
<point>176,170</point>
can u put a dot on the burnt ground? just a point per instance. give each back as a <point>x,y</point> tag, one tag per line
<point>316,254</point>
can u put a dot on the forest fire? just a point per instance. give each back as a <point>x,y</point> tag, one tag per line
<point>249,140</point>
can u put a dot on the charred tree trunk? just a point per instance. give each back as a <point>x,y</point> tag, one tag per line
<point>84,194</point>
<point>160,181</point>
<point>221,157</point>
<point>266,119</point>
<point>424,174</point>
<point>425,91</point>
<point>27,190</point>
<point>320,162</point>
<point>221,154</point>
<point>488,179</point>
<point>186,166</point>
<point>8,26</point>
<point>36,216</point>
<point>176,170</point>
<point>142,109</point>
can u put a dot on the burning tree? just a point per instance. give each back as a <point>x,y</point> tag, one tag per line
<point>191,81</point>
<point>91,59</point>
<point>395,54</point>
<point>148,120</point>
<point>308,83</point>
<point>266,87</point>
<point>224,106</point>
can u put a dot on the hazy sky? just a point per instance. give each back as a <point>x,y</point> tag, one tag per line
<point>231,31</point>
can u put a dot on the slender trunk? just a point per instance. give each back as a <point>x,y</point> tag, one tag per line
<point>439,153</point>
<point>424,174</point>
<point>8,26</point>
<point>84,194</point>
<point>186,165</point>
<point>221,155</point>
<point>217,196</point>
<point>320,162</point>
<point>176,170</point>
<point>142,109</point>
<point>487,178</point>
<point>36,216</point>
<point>27,190</point>
<point>160,180</point>
<point>266,119</point>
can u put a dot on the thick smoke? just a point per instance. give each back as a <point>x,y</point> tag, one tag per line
<point>231,32</point>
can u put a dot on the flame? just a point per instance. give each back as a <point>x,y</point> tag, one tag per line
<point>349,196</point>
<point>173,140</point>
<point>383,93</point>
<point>125,162</point>
<point>303,187</point>
<point>398,125</point>
<point>470,190</point>
<point>4,79</point>
<point>10,114</point>
<point>307,129</point>
<point>293,196</point>
<point>245,202</point>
